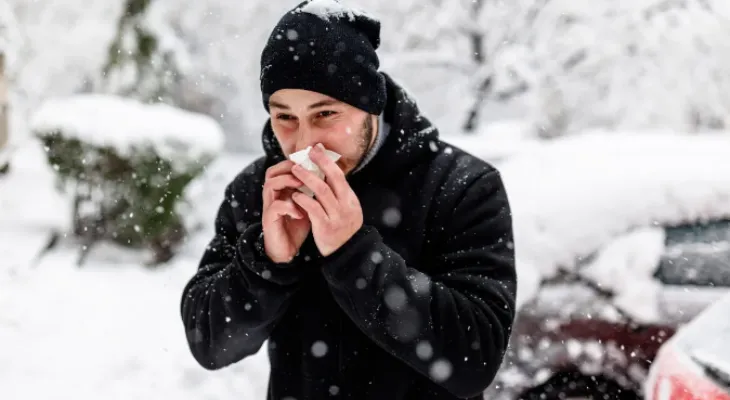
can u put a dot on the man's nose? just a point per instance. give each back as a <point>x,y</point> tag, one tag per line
<point>305,138</point>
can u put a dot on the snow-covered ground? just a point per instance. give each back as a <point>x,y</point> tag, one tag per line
<point>108,330</point>
<point>497,141</point>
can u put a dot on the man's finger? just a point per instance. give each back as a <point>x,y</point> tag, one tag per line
<point>281,208</point>
<point>278,183</point>
<point>312,207</point>
<point>334,176</point>
<point>320,188</point>
<point>278,169</point>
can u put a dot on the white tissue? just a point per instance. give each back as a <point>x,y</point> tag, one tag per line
<point>301,157</point>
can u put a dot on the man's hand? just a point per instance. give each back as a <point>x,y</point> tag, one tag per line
<point>285,225</point>
<point>336,213</point>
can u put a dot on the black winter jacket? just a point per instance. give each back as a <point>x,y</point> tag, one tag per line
<point>419,304</point>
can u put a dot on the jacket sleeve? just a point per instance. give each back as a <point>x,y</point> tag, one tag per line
<point>454,325</point>
<point>230,306</point>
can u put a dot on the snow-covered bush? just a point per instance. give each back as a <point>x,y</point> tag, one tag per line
<point>127,165</point>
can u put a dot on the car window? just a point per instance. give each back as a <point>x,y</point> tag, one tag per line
<point>696,255</point>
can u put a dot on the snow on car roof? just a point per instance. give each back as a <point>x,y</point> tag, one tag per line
<point>575,194</point>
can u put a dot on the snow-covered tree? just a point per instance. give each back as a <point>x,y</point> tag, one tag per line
<point>468,53</point>
<point>9,40</point>
<point>54,48</point>
<point>221,42</point>
<point>144,60</point>
<point>7,30</point>
<point>645,64</point>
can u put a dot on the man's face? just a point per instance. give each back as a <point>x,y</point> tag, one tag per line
<point>301,118</point>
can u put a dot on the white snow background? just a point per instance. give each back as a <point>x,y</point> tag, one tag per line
<point>112,330</point>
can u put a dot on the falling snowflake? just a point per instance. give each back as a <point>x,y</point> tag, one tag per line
<point>424,351</point>
<point>319,349</point>
<point>266,274</point>
<point>391,217</point>
<point>440,370</point>
<point>334,390</point>
<point>376,257</point>
<point>291,34</point>
<point>395,298</point>
<point>361,283</point>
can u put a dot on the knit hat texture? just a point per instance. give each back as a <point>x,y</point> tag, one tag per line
<point>325,47</point>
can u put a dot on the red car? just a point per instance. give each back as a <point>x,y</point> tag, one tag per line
<point>695,363</point>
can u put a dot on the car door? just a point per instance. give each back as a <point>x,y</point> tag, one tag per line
<point>694,269</point>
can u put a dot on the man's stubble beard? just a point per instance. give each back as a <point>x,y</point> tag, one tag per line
<point>363,146</point>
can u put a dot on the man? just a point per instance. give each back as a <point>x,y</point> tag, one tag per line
<point>396,280</point>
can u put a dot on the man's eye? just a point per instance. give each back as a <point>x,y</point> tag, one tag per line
<point>325,114</point>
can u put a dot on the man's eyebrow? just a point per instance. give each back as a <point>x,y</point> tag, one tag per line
<point>323,103</point>
<point>274,104</point>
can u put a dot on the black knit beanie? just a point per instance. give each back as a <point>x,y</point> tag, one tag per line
<point>325,47</point>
